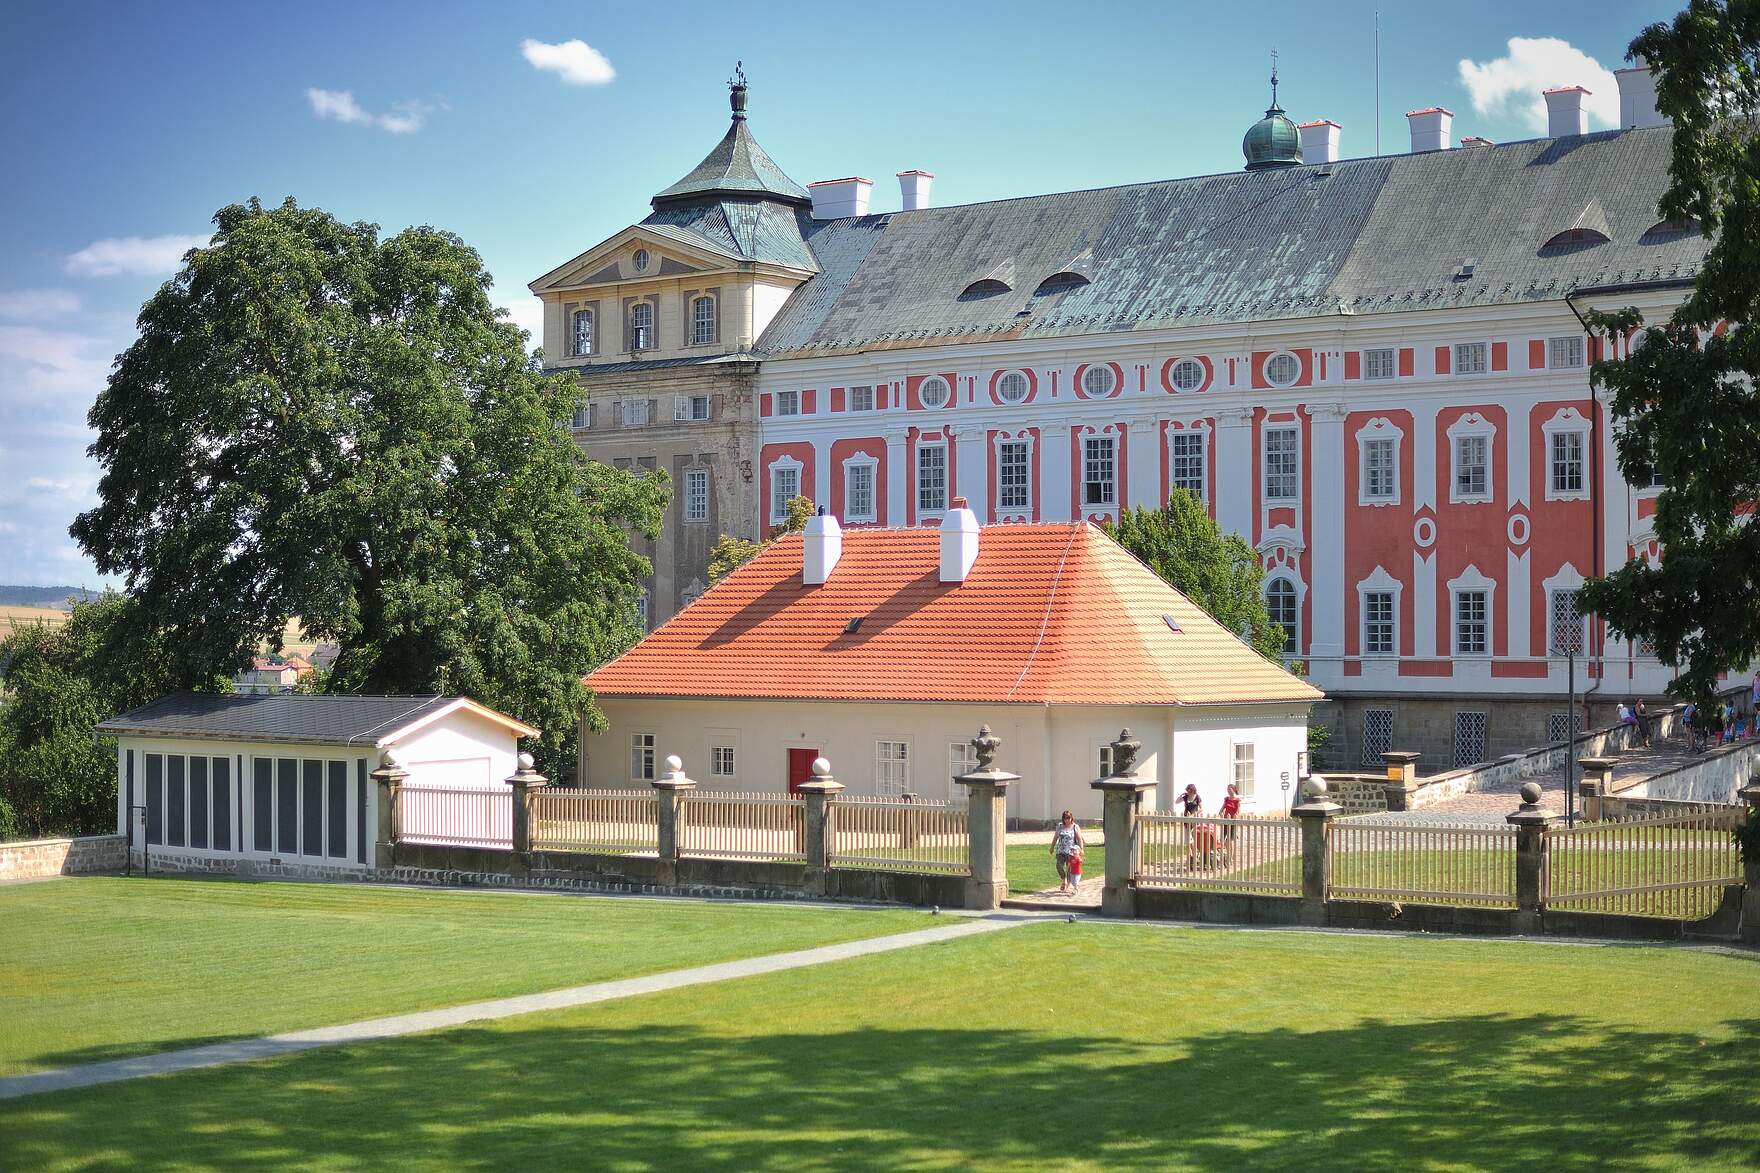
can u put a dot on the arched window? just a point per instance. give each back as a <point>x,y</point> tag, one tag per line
<point>1666,230</point>
<point>1280,601</point>
<point>1059,283</point>
<point>641,326</point>
<point>583,332</point>
<point>703,321</point>
<point>978,290</point>
<point>1572,239</point>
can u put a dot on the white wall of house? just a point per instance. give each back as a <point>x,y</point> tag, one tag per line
<point>1056,749</point>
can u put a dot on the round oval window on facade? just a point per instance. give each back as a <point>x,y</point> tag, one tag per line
<point>1012,387</point>
<point>1187,374</point>
<point>639,262</point>
<point>933,391</point>
<point>1282,370</point>
<point>1098,381</point>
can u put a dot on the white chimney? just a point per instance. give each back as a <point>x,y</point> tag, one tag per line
<point>1637,96</point>
<point>1430,127</point>
<point>913,189</point>
<point>1565,113</point>
<point>1476,140</point>
<point>821,547</point>
<point>959,541</point>
<point>1320,141</point>
<point>834,199</point>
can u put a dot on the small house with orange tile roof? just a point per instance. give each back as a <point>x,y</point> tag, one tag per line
<point>886,649</point>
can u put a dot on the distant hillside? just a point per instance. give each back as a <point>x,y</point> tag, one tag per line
<point>49,596</point>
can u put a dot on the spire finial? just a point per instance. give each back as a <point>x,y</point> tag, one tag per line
<point>1274,105</point>
<point>736,91</point>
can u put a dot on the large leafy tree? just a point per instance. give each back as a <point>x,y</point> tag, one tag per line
<point>1684,401</point>
<point>321,423</point>
<point>1217,571</point>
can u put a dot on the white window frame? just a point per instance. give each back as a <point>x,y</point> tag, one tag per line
<point>633,412</point>
<point>574,333</point>
<point>936,381</point>
<point>1243,768</point>
<point>1111,381</point>
<point>696,494</point>
<point>644,763</point>
<point>868,466</point>
<point>1004,506</point>
<point>690,409</point>
<point>1294,473</point>
<point>788,402</point>
<point>1557,464</point>
<point>925,503</point>
<point>1471,426</point>
<point>641,325</point>
<point>1481,355</point>
<point>1372,358</point>
<point>643,608</point>
<point>892,774</point>
<point>638,260</point>
<point>1294,364</point>
<point>1292,637</point>
<point>1471,581</point>
<point>1567,580</point>
<point>1564,420</point>
<point>582,417</point>
<point>962,758</point>
<point>712,335</point>
<point>1379,582</point>
<point>1013,379</point>
<point>778,499</point>
<point>1568,353</point>
<point>865,403</point>
<point>724,761</point>
<point>1379,431</point>
<point>1190,364</point>
<point>1174,458</point>
<point>1106,486</point>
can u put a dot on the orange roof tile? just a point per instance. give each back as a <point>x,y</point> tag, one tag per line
<point>1049,614</point>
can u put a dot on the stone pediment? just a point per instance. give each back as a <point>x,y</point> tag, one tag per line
<point>671,253</point>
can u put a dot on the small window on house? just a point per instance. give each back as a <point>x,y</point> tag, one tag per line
<point>785,483</point>
<point>1469,739</point>
<point>641,757</point>
<point>696,494</point>
<point>1564,353</point>
<point>1098,381</point>
<point>690,408</point>
<point>1377,735</point>
<point>788,403</point>
<point>641,326</point>
<point>1378,363</point>
<point>931,478</point>
<point>1014,475</point>
<point>723,762</point>
<point>703,321</point>
<point>635,413</point>
<point>1185,451</point>
<point>1566,624</point>
<point>1244,774</point>
<point>1471,623</point>
<point>582,417</point>
<point>1566,474</point>
<point>861,399</point>
<point>1187,374</point>
<point>1280,604</point>
<point>858,491</point>
<point>1282,467</point>
<point>962,759</point>
<point>1469,358</point>
<point>933,391</point>
<point>892,767</point>
<point>1558,728</point>
<point>582,338</point>
<point>1472,468</point>
<point>639,260</point>
<point>1378,623</point>
<point>1282,370</point>
<point>642,609</point>
<point>1012,387</point>
<point>1103,760</point>
<point>1098,467</point>
<point>1380,475</point>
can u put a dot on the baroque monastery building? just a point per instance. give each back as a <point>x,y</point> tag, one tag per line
<point>1372,369</point>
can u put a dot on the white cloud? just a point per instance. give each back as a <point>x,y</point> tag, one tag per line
<point>38,305</point>
<point>575,62</point>
<point>340,106</point>
<point>147,255</point>
<point>1510,86</point>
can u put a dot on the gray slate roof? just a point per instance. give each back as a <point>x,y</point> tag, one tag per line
<point>751,229</point>
<point>1363,236</point>
<point>285,717</point>
<point>737,165</point>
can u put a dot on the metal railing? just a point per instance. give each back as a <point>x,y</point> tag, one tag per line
<point>1672,865</point>
<point>608,822</point>
<point>1225,855</point>
<point>455,816</point>
<point>1423,863</point>
<point>743,826</point>
<point>898,835</point>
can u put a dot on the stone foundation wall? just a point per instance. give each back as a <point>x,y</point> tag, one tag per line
<point>87,855</point>
<point>1714,778</point>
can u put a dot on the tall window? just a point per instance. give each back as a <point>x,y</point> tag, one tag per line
<point>892,767</point>
<point>1280,601</point>
<point>1378,623</point>
<point>961,759</point>
<point>702,321</point>
<point>1471,623</point>
<point>1378,363</point>
<point>1564,353</point>
<point>582,417</point>
<point>1469,358</point>
<point>861,399</point>
<point>1098,487</point>
<point>1567,462</point>
<point>642,606</point>
<point>1380,477</point>
<point>785,482</point>
<point>788,403</point>
<point>931,478</point>
<point>1014,485</point>
<point>858,492</point>
<point>1567,626</point>
<point>1186,461</point>
<point>641,326</point>
<point>1282,464</point>
<point>583,332</point>
<point>641,757</point>
<point>1243,772</point>
<point>635,413</point>
<point>1472,466</point>
<point>696,494</point>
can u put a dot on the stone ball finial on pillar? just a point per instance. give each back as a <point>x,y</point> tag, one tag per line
<point>1124,754</point>
<point>526,762</point>
<point>985,746</point>
<point>391,768</point>
<point>1314,788</point>
<point>1530,795</point>
<point>674,766</point>
<point>821,768</point>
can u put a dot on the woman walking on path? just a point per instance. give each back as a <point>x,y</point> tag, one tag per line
<point>1066,844</point>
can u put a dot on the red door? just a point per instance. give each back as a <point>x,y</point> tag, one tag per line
<point>800,768</point>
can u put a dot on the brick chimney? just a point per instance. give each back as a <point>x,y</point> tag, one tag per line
<point>821,547</point>
<point>834,199</point>
<point>1320,141</point>
<point>959,541</point>
<point>1430,127</point>
<point>1565,113</point>
<point>913,189</point>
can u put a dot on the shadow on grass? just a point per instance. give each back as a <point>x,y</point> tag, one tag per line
<point>1494,1092</point>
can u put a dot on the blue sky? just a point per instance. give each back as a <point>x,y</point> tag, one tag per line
<point>126,125</point>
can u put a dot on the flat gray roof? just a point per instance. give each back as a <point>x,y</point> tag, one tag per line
<point>296,717</point>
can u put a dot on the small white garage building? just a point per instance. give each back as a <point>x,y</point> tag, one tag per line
<point>206,781</point>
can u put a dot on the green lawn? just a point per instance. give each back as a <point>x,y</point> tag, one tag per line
<point>1031,869</point>
<point>1092,1045</point>
<point>101,968</point>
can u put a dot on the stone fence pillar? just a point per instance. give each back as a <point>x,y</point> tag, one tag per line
<point>526,782</point>
<point>669,792</point>
<point>1122,795</point>
<point>1530,821</point>
<point>1594,782</point>
<point>1315,811</point>
<point>390,777</point>
<point>1750,794</point>
<point>820,791</point>
<point>987,823</point>
<point>1402,777</point>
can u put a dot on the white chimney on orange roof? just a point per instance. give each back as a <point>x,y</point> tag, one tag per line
<point>1565,113</point>
<point>1319,141</point>
<point>913,189</point>
<point>821,547</point>
<point>959,541</point>
<point>1429,128</point>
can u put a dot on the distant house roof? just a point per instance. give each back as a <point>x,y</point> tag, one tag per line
<point>1049,614</point>
<point>320,720</point>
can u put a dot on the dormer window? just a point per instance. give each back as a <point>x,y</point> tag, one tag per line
<point>1060,283</point>
<point>641,326</point>
<point>1572,239</point>
<point>979,290</point>
<point>582,334</point>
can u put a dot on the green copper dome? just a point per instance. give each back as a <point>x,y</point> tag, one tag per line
<point>1272,141</point>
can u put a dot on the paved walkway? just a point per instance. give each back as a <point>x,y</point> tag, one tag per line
<point>271,1046</point>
